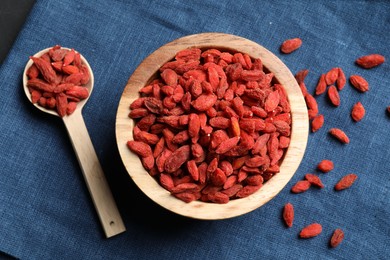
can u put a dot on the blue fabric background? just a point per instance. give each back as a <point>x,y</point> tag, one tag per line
<point>45,208</point>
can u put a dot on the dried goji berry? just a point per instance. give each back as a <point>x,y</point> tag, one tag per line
<point>339,135</point>
<point>358,112</point>
<point>290,45</point>
<point>359,83</point>
<point>337,238</point>
<point>331,76</point>
<point>341,80</point>
<point>311,230</point>
<point>301,186</point>
<point>321,85</point>
<point>346,182</point>
<point>314,180</point>
<point>370,61</point>
<point>333,95</point>
<point>317,123</point>
<point>288,214</point>
<point>325,166</point>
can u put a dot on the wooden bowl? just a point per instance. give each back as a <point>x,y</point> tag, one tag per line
<point>198,209</point>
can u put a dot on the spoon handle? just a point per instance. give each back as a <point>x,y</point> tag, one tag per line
<point>93,174</point>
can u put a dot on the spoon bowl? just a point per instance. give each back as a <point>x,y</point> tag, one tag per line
<point>94,177</point>
<point>80,104</point>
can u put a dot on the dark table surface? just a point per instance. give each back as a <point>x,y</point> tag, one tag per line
<point>13,13</point>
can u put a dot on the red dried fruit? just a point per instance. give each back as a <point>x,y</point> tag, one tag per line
<point>69,57</point>
<point>314,180</point>
<point>331,76</point>
<point>272,101</point>
<point>40,85</point>
<point>61,104</point>
<point>70,69</point>
<point>32,72</point>
<point>290,45</point>
<point>166,181</point>
<point>317,123</point>
<point>359,83</point>
<point>301,75</point>
<point>358,112</point>
<point>71,107</point>
<point>333,95</point>
<point>303,88</point>
<point>185,187</point>
<point>227,145</point>
<point>170,77</point>
<point>341,80</point>
<point>193,170</point>
<point>345,182</point>
<point>77,92</point>
<point>193,125</point>
<point>325,166</point>
<point>311,230</point>
<point>301,186</point>
<point>337,238</point>
<point>45,69</point>
<point>339,135</point>
<point>140,148</point>
<point>370,61</point>
<point>35,96</point>
<point>321,85</point>
<point>204,102</point>
<point>187,196</point>
<point>218,197</point>
<point>312,105</point>
<point>177,159</point>
<point>288,214</point>
<point>217,177</point>
<point>57,53</point>
<point>247,191</point>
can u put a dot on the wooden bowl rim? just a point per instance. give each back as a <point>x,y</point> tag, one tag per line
<point>198,209</point>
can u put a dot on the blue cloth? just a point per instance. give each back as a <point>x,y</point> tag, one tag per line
<point>45,209</point>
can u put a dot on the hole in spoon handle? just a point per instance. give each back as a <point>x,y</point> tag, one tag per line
<point>93,174</point>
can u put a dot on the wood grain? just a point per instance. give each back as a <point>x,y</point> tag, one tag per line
<point>200,210</point>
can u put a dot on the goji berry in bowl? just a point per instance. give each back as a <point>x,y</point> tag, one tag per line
<point>212,126</point>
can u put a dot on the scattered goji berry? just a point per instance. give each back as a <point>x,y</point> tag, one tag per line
<point>337,238</point>
<point>358,112</point>
<point>331,76</point>
<point>321,85</point>
<point>301,186</point>
<point>359,83</point>
<point>370,61</point>
<point>345,182</point>
<point>317,123</point>
<point>288,214</point>
<point>333,95</point>
<point>290,45</point>
<point>325,166</point>
<point>339,135</point>
<point>314,180</point>
<point>311,230</point>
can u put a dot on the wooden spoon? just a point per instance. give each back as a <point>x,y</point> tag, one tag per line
<point>92,171</point>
